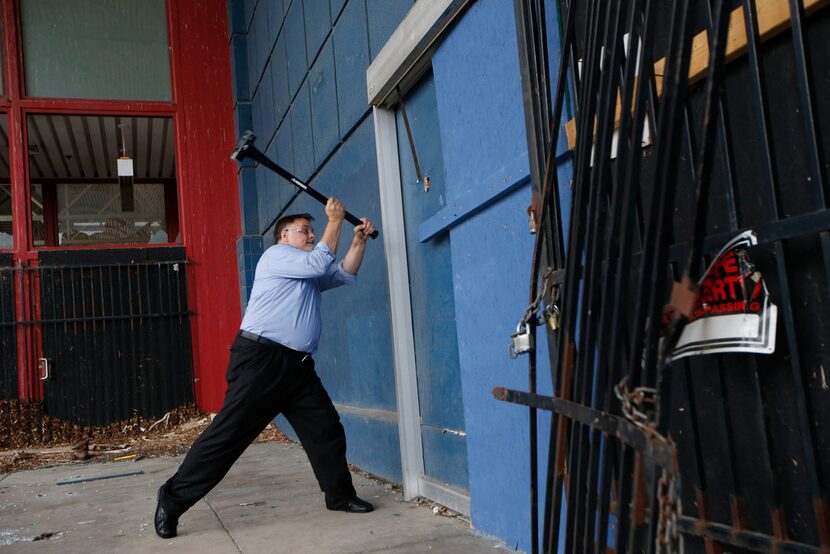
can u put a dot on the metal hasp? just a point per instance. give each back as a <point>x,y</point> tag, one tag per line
<point>245,149</point>
<point>708,453</point>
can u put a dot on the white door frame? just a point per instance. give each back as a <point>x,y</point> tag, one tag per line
<point>405,57</point>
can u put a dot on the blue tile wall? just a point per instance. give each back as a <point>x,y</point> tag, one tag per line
<point>336,6</point>
<point>256,112</point>
<point>248,200</point>
<point>351,176</point>
<point>383,18</point>
<point>249,11</point>
<point>317,25</point>
<point>260,28</point>
<point>303,138</point>
<point>239,66</point>
<point>351,54</point>
<point>279,79</point>
<point>236,17</point>
<point>244,122</point>
<point>266,97</point>
<point>276,15</point>
<point>269,194</point>
<point>251,50</point>
<point>296,60</point>
<point>324,124</point>
<point>249,248</point>
<point>285,145</point>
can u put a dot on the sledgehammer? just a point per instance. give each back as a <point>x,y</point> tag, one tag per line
<point>245,149</point>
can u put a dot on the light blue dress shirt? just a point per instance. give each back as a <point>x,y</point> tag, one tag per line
<point>285,300</point>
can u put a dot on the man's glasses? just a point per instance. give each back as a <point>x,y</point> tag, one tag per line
<point>304,230</point>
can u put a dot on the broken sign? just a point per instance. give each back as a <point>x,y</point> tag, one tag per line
<point>732,310</point>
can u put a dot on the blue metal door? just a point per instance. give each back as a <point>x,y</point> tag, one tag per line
<point>431,290</point>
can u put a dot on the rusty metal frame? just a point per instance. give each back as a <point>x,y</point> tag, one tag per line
<point>616,459</point>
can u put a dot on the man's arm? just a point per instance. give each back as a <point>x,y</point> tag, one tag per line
<point>335,212</point>
<point>354,257</point>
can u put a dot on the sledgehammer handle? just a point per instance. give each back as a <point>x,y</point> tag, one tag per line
<point>246,149</point>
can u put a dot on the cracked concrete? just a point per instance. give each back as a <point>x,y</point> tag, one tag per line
<point>269,502</point>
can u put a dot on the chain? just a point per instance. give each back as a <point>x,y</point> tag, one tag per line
<point>530,312</point>
<point>638,408</point>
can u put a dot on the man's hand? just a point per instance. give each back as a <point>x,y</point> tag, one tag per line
<point>354,257</point>
<point>362,232</point>
<point>335,210</point>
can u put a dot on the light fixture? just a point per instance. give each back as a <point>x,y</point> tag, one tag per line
<point>125,176</point>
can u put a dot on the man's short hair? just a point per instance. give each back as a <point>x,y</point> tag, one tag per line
<point>287,220</point>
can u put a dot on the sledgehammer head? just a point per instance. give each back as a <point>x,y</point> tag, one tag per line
<point>241,150</point>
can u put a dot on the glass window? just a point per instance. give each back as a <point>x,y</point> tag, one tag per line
<point>100,180</point>
<point>93,49</point>
<point>6,229</point>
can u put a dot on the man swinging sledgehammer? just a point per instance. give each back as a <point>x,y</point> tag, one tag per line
<point>271,370</point>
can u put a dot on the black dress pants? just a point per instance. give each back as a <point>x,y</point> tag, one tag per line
<point>265,380</point>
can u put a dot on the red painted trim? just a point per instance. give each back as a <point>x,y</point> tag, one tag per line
<point>97,181</point>
<point>179,125</point>
<point>102,107</point>
<point>20,197</point>
<point>103,246</point>
<point>209,189</point>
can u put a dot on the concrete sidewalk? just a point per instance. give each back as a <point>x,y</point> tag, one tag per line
<point>269,502</point>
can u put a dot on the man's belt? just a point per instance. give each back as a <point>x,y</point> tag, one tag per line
<point>260,339</point>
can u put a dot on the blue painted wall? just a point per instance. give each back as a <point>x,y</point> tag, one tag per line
<point>299,69</point>
<point>299,81</point>
<point>482,127</point>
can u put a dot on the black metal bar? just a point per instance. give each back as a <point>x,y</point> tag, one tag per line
<point>87,266</point>
<point>609,424</point>
<point>550,197</point>
<point>585,119</point>
<point>799,401</point>
<point>117,342</point>
<point>805,90</point>
<point>750,540</point>
<point>705,160</point>
<point>585,470</point>
<point>535,91</point>
<point>759,100</point>
<point>617,220</point>
<point>84,319</point>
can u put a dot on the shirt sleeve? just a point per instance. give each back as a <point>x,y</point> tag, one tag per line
<point>335,277</point>
<point>293,263</point>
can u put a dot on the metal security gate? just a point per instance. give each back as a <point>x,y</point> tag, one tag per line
<point>113,332</point>
<point>8,342</point>
<point>710,123</point>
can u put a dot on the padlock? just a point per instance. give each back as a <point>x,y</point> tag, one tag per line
<point>551,315</point>
<point>521,342</point>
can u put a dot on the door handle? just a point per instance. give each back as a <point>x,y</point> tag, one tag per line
<point>44,366</point>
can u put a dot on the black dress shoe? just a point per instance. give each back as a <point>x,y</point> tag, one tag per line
<point>165,522</point>
<point>355,506</point>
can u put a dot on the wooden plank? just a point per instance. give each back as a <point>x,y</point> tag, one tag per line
<point>773,19</point>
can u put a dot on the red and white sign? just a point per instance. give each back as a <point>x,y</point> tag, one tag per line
<point>732,310</point>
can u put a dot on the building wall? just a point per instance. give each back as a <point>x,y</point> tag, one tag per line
<point>477,72</point>
<point>311,114</point>
<point>300,84</point>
